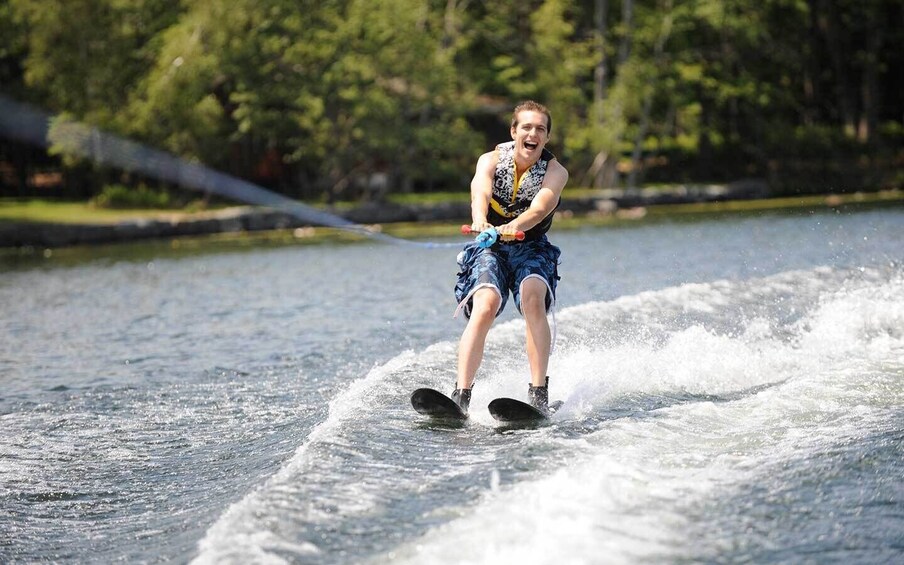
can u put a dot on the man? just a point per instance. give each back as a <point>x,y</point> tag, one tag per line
<point>515,188</point>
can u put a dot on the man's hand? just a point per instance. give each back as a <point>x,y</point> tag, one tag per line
<point>478,227</point>
<point>508,232</point>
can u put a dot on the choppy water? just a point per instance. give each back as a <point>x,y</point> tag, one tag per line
<point>734,392</point>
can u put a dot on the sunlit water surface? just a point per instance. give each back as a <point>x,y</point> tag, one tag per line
<point>734,392</point>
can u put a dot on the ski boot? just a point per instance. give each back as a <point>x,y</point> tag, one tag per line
<point>462,397</point>
<point>538,396</point>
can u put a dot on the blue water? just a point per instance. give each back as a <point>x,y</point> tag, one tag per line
<point>733,387</point>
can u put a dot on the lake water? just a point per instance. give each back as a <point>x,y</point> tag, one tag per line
<point>733,387</point>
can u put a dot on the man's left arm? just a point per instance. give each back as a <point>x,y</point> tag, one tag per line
<point>543,203</point>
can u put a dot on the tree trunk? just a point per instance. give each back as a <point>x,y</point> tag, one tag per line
<point>599,89</point>
<point>829,25</point>
<point>597,171</point>
<point>658,50</point>
<point>869,89</point>
<point>624,48</point>
<point>811,71</point>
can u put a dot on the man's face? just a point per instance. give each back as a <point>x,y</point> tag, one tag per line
<point>530,134</point>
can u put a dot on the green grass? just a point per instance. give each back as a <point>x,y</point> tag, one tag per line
<point>785,203</point>
<point>431,197</point>
<point>47,211</point>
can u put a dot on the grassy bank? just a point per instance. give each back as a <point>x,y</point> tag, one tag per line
<point>57,212</point>
<point>48,211</point>
<point>63,212</point>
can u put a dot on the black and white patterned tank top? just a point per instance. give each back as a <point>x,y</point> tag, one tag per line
<point>510,201</point>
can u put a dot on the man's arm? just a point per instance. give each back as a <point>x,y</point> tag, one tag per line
<point>543,203</point>
<point>482,191</point>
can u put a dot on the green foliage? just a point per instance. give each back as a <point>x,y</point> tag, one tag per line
<point>117,196</point>
<point>85,56</point>
<point>319,99</point>
<point>13,45</point>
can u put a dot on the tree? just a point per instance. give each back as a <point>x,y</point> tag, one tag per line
<point>86,56</point>
<point>327,98</point>
<point>393,96</point>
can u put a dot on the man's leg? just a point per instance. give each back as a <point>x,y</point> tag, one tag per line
<point>539,337</point>
<point>485,305</point>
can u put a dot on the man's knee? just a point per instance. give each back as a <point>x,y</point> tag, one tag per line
<point>485,302</point>
<point>533,295</point>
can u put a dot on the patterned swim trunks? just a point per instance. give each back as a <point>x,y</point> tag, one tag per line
<point>504,266</point>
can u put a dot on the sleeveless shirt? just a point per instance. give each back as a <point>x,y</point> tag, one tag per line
<point>510,201</point>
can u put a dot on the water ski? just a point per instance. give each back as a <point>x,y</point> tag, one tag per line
<point>510,410</point>
<point>435,404</point>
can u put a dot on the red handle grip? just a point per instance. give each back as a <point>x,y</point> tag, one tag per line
<point>466,229</point>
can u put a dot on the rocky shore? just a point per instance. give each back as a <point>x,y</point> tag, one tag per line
<point>250,219</point>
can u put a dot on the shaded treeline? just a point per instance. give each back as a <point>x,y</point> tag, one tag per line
<point>356,98</point>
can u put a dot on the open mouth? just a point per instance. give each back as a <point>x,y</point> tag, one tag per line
<point>530,145</point>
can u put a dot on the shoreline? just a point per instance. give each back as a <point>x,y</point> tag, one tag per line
<point>601,207</point>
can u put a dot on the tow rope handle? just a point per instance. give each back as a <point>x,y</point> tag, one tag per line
<point>487,237</point>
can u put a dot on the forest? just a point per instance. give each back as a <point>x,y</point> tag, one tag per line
<point>332,100</point>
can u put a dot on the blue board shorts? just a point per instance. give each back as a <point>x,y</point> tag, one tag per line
<point>505,266</point>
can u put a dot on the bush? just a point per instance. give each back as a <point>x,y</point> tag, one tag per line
<point>118,196</point>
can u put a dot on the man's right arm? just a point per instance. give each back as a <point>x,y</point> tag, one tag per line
<point>482,191</point>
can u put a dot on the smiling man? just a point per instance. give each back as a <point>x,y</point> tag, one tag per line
<point>516,187</point>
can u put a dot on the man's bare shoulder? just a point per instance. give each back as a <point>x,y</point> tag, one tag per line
<point>557,173</point>
<point>558,167</point>
<point>487,161</point>
<point>490,156</point>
